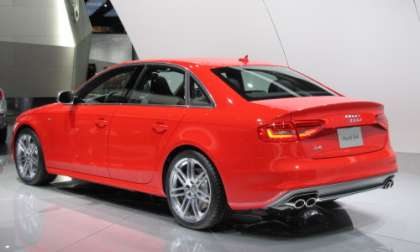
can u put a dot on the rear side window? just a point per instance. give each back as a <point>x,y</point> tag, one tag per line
<point>258,83</point>
<point>198,96</point>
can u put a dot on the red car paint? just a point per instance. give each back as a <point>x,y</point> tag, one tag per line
<point>127,146</point>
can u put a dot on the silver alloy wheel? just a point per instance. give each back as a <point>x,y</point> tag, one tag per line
<point>27,156</point>
<point>189,190</point>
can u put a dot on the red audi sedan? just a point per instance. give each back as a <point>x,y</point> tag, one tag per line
<point>211,136</point>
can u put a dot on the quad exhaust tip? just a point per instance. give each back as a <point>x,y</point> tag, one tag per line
<point>301,203</point>
<point>311,202</point>
<point>296,200</point>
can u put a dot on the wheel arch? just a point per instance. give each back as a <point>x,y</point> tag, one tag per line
<point>180,149</point>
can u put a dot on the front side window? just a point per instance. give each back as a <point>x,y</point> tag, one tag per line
<point>266,82</point>
<point>111,87</point>
<point>159,85</point>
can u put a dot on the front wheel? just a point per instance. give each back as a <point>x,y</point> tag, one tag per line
<point>195,192</point>
<point>30,159</point>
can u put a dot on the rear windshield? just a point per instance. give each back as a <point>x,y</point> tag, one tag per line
<point>269,82</point>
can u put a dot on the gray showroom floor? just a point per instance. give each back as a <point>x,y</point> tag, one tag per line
<point>76,216</point>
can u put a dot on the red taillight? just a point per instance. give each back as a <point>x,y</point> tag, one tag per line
<point>2,96</point>
<point>382,121</point>
<point>307,129</point>
<point>288,131</point>
<point>278,132</point>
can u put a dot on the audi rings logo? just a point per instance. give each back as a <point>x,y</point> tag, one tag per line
<point>353,118</point>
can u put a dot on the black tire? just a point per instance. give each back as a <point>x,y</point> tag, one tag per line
<point>3,135</point>
<point>218,209</point>
<point>41,177</point>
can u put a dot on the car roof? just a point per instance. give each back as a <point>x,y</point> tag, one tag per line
<point>197,62</point>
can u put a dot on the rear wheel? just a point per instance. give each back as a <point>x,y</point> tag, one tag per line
<point>29,159</point>
<point>3,135</point>
<point>195,192</point>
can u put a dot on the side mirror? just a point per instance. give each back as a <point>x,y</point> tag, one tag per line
<point>65,97</point>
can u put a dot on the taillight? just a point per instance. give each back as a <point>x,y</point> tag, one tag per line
<point>288,131</point>
<point>307,129</point>
<point>382,121</point>
<point>2,95</point>
<point>278,132</point>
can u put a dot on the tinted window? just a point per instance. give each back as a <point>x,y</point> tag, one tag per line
<point>257,83</point>
<point>197,95</point>
<point>111,87</point>
<point>159,85</point>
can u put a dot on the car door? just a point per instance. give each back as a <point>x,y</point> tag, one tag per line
<point>142,127</point>
<point>90,119</point>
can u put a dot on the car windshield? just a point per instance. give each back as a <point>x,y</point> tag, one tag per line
<point>269,82</point>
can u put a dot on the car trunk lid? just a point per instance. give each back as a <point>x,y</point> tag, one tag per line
<point>334,126</point>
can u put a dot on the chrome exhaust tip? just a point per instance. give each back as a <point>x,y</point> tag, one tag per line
<point>311,202</point>
<point>300,203</point>
<point>303,201</point>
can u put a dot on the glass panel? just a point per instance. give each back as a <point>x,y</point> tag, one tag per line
<point>112,89</point>
<point>160,85</point>
<point>257,83</point>
<point>198,96</point>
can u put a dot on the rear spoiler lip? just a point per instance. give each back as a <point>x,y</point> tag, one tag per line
<point>357,108</point>
<point>351,106</point>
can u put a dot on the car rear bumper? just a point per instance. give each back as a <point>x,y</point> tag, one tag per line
<point>278,180</point>
<point>333,191</point>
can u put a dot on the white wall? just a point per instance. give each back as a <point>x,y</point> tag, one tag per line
<point>363,48</point>
<point>191,28</point>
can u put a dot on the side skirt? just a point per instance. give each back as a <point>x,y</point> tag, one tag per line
<point>144,188</point>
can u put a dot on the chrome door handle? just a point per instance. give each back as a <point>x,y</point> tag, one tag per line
<point>160,128</point>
